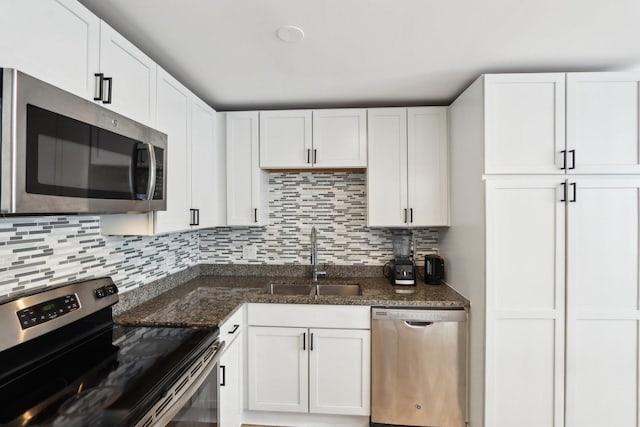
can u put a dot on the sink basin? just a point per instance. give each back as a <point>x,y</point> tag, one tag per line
<point>290,289</point>
<point>349,290</point>
<point>318,289</point>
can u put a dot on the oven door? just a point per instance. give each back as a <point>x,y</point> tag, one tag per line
<point>193,399</point>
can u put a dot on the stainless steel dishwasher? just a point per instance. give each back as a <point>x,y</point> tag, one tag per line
<point>418,367</point>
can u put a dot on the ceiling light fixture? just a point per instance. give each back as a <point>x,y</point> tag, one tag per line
<point>290,34</point>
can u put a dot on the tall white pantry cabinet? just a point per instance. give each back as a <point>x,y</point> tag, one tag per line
<point>544,240</point>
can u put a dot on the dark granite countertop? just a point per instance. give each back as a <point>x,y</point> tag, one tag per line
<point>208,300</point>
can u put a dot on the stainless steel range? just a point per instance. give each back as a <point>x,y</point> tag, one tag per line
<point>64,363</point>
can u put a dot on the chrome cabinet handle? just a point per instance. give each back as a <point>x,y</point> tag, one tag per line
<point>195,217</point>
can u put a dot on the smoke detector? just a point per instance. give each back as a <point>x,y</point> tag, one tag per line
<point>290,34</point>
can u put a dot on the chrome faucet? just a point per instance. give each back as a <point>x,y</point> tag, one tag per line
<point>314,255</point>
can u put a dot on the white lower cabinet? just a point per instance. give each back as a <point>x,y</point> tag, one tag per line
<point>278,369</point>
<point>339,371</point>
<point>230,394</point>
<point>322,371</point>
<point>231,371</point>
<point>300,360</point>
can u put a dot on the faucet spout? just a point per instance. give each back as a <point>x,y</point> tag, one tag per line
<point>314,255</point>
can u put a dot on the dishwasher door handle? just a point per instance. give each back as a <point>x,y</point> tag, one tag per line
<point>413,324</point>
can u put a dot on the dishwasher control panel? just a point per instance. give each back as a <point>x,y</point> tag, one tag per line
<point>419,314</point>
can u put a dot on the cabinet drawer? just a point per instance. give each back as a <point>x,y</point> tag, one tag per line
<point>233,326</point>
<point>312,316</point>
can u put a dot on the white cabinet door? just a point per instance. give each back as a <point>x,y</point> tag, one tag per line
<point>340,138</point>
<point>231,380</point>
<point>205,152</point>
<point>427,166</point>
<point>602,302</point>
<point>246,204</point>
<point>387,167</point>
<point>278,369</point>
<point>339,371</point>
<point>55,41</point>
<point>524,123</point>
<point>173,119</point>
<point>133,74</point>
<point>603,122</point>
<point>525,311</point>
<point>285,139</point>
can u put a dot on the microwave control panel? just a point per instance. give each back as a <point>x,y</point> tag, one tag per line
<point>48,310</point>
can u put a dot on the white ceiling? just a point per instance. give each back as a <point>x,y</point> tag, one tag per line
<point>369,52</point>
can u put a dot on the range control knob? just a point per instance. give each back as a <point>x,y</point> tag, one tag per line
<point>100,292</point>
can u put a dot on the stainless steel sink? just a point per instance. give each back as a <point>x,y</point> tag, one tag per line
<point>290,289</point>
<point>351,289</point>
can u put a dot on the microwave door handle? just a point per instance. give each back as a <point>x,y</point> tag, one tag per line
<point>151,188</point>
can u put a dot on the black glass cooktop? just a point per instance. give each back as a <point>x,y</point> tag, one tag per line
<point>108,379</point>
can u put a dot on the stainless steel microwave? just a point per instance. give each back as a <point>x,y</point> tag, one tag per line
<point>64,154</point>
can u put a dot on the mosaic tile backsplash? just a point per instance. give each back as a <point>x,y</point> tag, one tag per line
<point>40,251</point>
<point>49,250</point>
<point>334,202</point>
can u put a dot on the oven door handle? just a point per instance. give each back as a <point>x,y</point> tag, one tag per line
<point>183,389</point>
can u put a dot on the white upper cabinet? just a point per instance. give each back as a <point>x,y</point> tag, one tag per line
<point>285,139</point>
<point>428,166</point>
<point>206,156</point>
<point>195,160</point>
<point>407,171</point>
<point>305,139</point>
<point>524,123</point>
<point>527,117</point>
<point>131,89</point>
<point>387,167</point>
<point>246,183</point>
<point>63,43</point>
<point>602,122</point>
<point>55,41</point>
<point>340,138</point>
<point>173,119</point>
